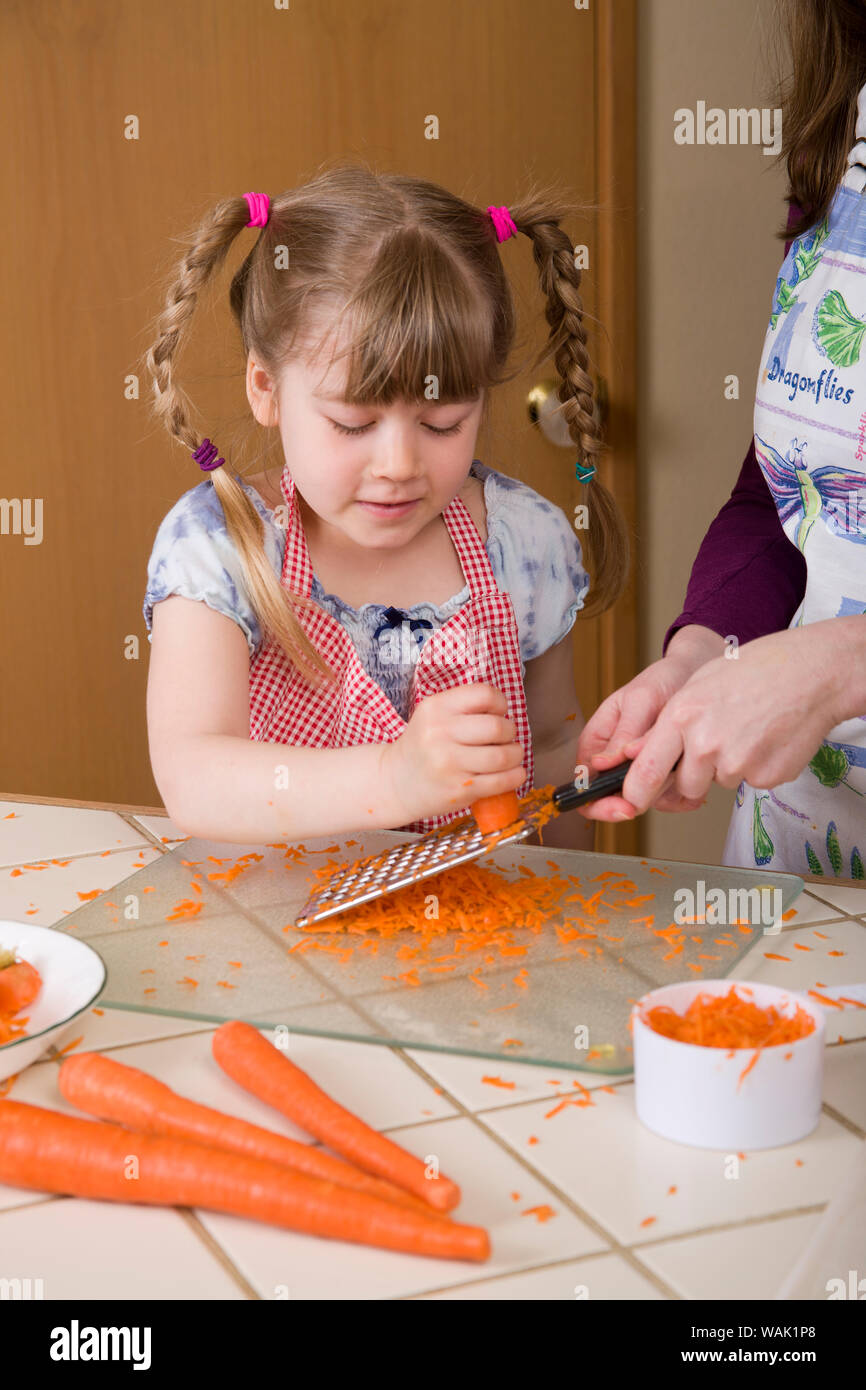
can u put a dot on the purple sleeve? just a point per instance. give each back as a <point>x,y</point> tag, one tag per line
<point>748,579</point>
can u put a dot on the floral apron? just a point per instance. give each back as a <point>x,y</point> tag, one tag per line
<point>810,440</point>
<point>479,642</point>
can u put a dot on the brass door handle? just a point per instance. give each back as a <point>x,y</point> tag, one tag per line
<point>545,410</point>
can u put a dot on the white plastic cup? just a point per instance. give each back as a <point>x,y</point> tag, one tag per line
<point>695,1095</point>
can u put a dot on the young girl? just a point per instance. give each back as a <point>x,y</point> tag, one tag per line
<point>380,639</point>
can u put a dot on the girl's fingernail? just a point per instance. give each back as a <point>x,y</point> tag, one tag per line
<point>620,815</point>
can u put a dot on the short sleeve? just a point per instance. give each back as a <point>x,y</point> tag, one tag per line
<point>536,556</point>
<point>192,556</point>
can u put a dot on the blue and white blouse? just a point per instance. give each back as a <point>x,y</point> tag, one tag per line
<point>533,549</point>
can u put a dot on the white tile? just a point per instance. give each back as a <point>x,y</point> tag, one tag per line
<point>44,897</point>
<point>463,1078</point>
<point>850,900</point>
<point>111,1250</point>
<point>30,832</point>
<point>164,828</point>
<point>845,1081</point>
<point>620,1173</point>
<point>313,1268</point>
<point>745,1262</point>
<point>805,969</point>
<point>603,1277</point>
<point>806,909</point>
<point>102,1028</point>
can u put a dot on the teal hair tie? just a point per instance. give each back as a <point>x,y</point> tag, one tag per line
<point>584,473</point>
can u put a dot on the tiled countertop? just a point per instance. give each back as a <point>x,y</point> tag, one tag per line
<point>567,1199</point>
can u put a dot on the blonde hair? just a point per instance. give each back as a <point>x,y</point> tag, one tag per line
<point>418,274</point>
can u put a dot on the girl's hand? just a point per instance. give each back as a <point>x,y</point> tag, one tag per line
<point>758,716</point>
<point>457,747</point>
<point>618,727</point>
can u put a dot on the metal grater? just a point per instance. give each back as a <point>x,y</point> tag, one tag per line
<point>443,849</point>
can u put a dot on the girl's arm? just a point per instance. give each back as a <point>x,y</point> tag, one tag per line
<point>556,722</point>
<point>217,783</point>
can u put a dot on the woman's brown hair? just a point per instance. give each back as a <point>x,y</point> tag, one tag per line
<point>818,99</point>
<point>417,274</point>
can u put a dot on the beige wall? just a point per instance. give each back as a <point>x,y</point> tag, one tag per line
<point>707,266</point>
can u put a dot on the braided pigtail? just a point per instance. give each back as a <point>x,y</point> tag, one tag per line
<point>607,536</point>
<point>207,247</point>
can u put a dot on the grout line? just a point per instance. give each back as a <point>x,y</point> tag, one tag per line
<point>143,830</point>
<point>509,1274</point>
<point>843,1120</point>
<point>54,1056</point>
<point>217,1251</point>
<point>489,1109</point>
<point>87,854</point>
<point>732,1225</point>
<point>39,1200</point>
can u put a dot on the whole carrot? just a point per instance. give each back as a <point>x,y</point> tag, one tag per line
<point>45,1151</point>
<point>110,1090</point>
<point>254,1063</point>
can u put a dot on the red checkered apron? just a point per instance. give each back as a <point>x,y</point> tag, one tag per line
<point>479,642</point>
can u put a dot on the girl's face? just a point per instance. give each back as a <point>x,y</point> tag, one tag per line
<point>373,475</point>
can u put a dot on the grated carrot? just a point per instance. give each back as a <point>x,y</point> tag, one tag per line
<point>728,1020</point>
<point>542,1213</point>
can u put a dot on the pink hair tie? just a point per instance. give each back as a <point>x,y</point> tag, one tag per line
<point>503,223</point>
<point>258,204</point>
<point>206,456</point>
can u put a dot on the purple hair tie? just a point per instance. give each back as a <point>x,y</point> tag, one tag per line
<point>258,204</point>
<point>503,222</point>
<point>206,456</point>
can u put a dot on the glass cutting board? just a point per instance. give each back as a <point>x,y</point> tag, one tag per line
<point>204,932</point>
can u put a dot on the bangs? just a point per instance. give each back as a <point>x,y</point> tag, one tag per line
<point>417,328</point>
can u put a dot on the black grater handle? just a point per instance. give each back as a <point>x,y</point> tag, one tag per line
<point>566,797</point>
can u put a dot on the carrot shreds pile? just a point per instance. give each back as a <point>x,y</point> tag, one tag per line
<point>728,1020</point>
<point>470,899</point>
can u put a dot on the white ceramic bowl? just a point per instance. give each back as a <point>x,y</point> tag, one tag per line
<point>73,977</point>
<point>695,1095</point>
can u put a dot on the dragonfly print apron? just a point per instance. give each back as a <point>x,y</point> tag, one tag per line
<point>477,643</point>
<point>810,440</point>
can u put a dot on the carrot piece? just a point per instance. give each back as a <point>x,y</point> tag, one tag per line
<point>20,982</point>
<point>43,1150</point>
<point>113,1091</point>
<point>254,1063</point>
<point>495,812</point>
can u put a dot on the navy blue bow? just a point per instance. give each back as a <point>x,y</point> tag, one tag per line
<point>395,617</point>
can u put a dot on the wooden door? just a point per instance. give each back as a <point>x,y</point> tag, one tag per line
<point>121,123</point>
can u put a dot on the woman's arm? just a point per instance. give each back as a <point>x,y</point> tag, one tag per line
<point>748,579</point>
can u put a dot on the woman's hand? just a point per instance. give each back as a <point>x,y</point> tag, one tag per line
<point>457,747</point>
<point>758,715</point>
<point>617,727</point>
